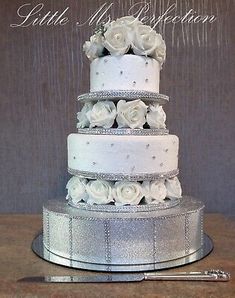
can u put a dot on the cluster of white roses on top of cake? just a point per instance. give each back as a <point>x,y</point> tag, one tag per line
<point>127,114</point>
<point>122,192</point>
<point>126,35</point>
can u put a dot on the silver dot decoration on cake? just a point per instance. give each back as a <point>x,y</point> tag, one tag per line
<point>97,73</point>
<point>134,83</point>
<point>146,80</point>
<point>124,94</point>
<point>122,176</point>
<point>161,164</point>
<point>123,131</point>
<point>121,72</point>
<point>153,157</point>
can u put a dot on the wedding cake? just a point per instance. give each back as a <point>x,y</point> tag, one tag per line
<point>124,208</point>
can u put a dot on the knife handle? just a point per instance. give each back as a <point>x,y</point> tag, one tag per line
<point>209,275</point>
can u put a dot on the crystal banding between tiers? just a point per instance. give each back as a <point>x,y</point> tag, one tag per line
<point>126,209</point>
<point>123,131</point>
<point>121,176</point>
<point>124,94</point>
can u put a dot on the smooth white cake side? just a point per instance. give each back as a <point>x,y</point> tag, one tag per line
<point>126,72</point>
<point>122,154</point>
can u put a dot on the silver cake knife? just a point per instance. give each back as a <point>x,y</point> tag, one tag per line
<point>209,275</point>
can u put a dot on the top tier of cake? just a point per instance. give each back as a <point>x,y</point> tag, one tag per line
<point>127,72</point>
<point>125,55</point>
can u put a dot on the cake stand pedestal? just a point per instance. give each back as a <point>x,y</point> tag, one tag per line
<point>40,250</point>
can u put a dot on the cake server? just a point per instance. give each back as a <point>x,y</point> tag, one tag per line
<point>209,275</point>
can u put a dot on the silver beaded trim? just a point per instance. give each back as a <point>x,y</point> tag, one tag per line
<point>108,257</point>
<point>126,209</point>
<point>123,131</point>
<point>186,236</point>
<point>120,176</point>
<point>124,94</point>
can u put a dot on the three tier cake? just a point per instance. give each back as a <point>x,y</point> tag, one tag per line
<point>124,206</point>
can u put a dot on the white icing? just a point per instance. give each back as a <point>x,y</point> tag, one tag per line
<point>173,188</point>
<point>127,193</point>
<point>154,192</point>
<point>123,154</point>
<point>131,114</point>
<point>156,116</point>
<point>83,121</point>
<point>124,34</point>
<point>76,189</point>
<point>102,114</point>
<point>127,72</point>
<point>99,192</point>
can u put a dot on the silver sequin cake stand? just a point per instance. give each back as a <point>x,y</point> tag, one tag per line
<point>123,241</point>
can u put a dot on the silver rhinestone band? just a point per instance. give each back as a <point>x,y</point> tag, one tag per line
<point>120,176</point>
<point>124,94</point>
<point>123,131</point>
<point>126,209</point>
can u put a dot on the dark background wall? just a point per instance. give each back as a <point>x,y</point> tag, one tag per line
<point>43,70</point>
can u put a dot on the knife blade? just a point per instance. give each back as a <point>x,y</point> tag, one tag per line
<point>209,275</point>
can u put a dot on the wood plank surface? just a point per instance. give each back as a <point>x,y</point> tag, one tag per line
<point>43,70</point>
<point>18,261</point>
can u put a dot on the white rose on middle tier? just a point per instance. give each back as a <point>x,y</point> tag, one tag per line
<point>131,114</point>
<point>99,192</point>
<point>117,39</point>
<point>156,116</point>
<point>154,192</point>
<point>82,117</point>
<point>103,114</point>
<point>127,193</point>
<point>147,42</point>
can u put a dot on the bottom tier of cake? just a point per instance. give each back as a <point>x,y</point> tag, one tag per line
<point>114,237</point>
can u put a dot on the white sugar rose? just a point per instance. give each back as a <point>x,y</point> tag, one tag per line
<point>154,192</point>
<point>76,189</point>
<point>117,39</point>
<point>127,193</point>
<point>94,48</point>
<point>156,116</point>
<point>146,41</point>
<point>160,52</point>
<point>99,192</point>
<point>131,114</point>
<point>82,117</point>
<point>173,188</point>
<point>103,114</point>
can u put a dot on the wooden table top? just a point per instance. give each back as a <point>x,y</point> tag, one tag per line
<point>17,261</point>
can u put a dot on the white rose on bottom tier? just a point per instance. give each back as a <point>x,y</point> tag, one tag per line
<point>76,189</point>
<point>82,117</point>
<point>156,116</point>
<point>99,192</point>
<point>154,191</point>
<point>127,193</point>
<point>103,114</point>
<point>173,188</point>
<point>131,114</point>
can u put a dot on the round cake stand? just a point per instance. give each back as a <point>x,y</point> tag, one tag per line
<point>39,249</point>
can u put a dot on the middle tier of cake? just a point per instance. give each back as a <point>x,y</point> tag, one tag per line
<point>119,157</point>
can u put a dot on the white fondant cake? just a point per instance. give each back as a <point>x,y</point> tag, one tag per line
<point>127,72</point>
<point>123,154</point>
<point>125,204</point>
